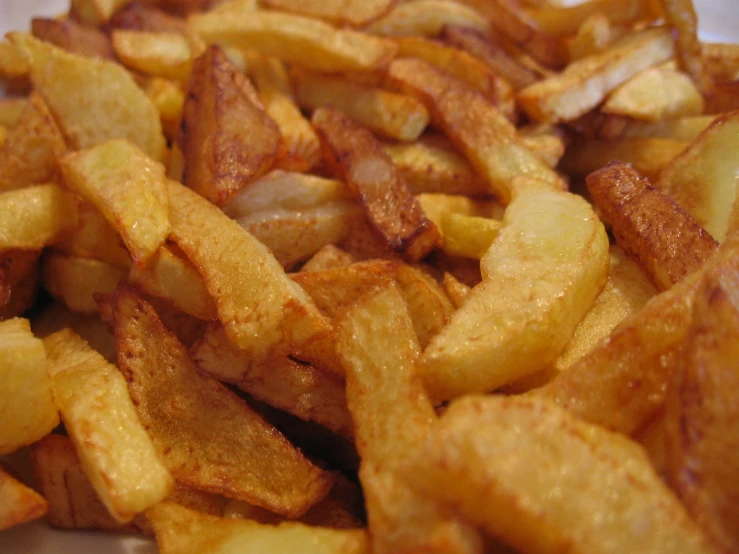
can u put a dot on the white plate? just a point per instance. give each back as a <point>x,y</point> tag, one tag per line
<point>719,21</point>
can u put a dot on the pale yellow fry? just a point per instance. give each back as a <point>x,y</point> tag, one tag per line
<point>159,54</point>
<point>586,82</point>
<point>27,403</point>
<point>540,277</point>
<point>128,188</point>
<point>427,18</point>
<point>116,452</point>
<point>543,481</point>
<point>295,39</point>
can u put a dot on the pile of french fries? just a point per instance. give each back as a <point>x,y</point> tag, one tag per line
<point>348,276</point>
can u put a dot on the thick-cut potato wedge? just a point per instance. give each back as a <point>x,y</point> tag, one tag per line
<point>589,490</point>
<point>474,125</point>
<point>182,531</point>
<point>116,453</point>
<point>352,12</point>
<point>559,20</point>
<point>96,12</point>
<point>93,101</point>
<point>302,147</point>
<point>261,309</point>
<point>586,82</point>
<point>228,140</point>
<point>232,451</point>
<point>540,277</point>
<point>73,281</point>
<point>328,257</point>
<point>651,228</point>
<point>621,383</point>
<point>649,156</point>
<point>654,94</point>
<point>427,18</point>
<point>393,115</point>
<point>703,178</point>
<point>680,14</point>
<point>73,37</point>
<point>32,147</point>
<point>175,279</point>
<point>36,216</point>
<point>18,503</point>
<point>160,54</point>
<point>128,188</point>
<point>392,416</point>
<point>27,403</point>
<point>701,414</point>
<point>359,159</point>
<point>295,39</point>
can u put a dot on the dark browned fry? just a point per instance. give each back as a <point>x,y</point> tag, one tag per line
<point>227,138</point>
<point>358,158</point>
<point>73,37</point>
<point>665,240</point>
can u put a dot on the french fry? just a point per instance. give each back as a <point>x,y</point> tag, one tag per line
<point>92,101</point>
<point>548,146</point>
<point>587,81</point>
<point>129,190</point>
<point>29,155</point>
<point>680,14</point>
<point>595,34</point>
<point>11,109</point>
<point>559,20</point>
<point>455,290</point>
<point>461,458</point>
<point>358,158</point>
<point>18,503</point>
<point>165,55</point>
<point>27,405</point>
<point>652,229</point>
<point>116,453</point>
<point>14,70</point>
<point>36,216</point>
<point>528,326</point>
<point>393,115</point>
<point>295,39</point>
<point>262,311</point>
<point>96,12</point>
<point>169,100</point>
<point>681,129</point>
<point>353,12</point>
<point>246,459</point>
<point>703,178</point>
<point>700,415</point>
<point>481,133</point>
<point>73,37</point>
<point>392,416</point>
<point>228,140</point>
<point>328,257</point>
<point>426,18</point>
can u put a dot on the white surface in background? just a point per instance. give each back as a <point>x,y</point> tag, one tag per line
<point>719,21</point>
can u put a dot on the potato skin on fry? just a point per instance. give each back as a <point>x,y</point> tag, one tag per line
<point>649,225</point>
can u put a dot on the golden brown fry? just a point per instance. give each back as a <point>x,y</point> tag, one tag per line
<point>245,459</point>
<point>680,14</point>
<point>488,139</point>
<point>96,12</point>
<point>558,20</point>
<point>359,159</point>
<point>349,12</point>
<point>160,54</point>
<point>262,311</point>
<point>14,70</point>
<point>228,140</point>
<point>328,257</point>
<point>594,35</point>
<point>73,37</point>
<point>11,109</point>
<point>295,39</point>
<point>544,481</point>
<point>93,101</point>
<point>18,503</point>
<point>650,227</point>
<point>29,155</point>
<point>586,82</point>
<point>701,414</point>
<point>392,416</point>
<point>455,290</point>
<point>427,18</point>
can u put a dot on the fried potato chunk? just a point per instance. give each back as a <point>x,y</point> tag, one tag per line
<point>18,503</point>
<point>586,82</point>
<point>182,531</point>
<point>32,147</point>
<point>228,140</point>
<point>27,403</point>
<point>701,414</point>
<point>295,39</point>
<point>128,188</point>
<point>117,455</point>
<point>586,484</point>
<point>246,458</point>
<point>359,159</point>
<point>651,228</point>
<point>540,277</point>
<point>160,54</point>
<point>392,416</point>
<point>351,12</point>
<point>474,125</point>
<point>262,311</point>
<point>93,101</point>
<point>427,18</point>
